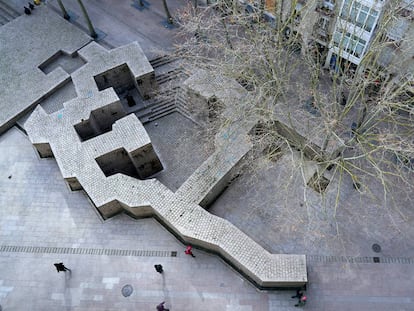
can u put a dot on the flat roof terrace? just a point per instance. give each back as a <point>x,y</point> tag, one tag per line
<point>40,38</point>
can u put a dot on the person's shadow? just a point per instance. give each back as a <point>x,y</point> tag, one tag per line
<point>68,295</point>
<point>165,289</point>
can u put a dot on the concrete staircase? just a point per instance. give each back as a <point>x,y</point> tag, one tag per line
<point>171,98</point>
<point>167,102</point>
<point>7,13</point>
<point>161,61</point>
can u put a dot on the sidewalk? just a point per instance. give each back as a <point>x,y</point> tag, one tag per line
<point>126,23</point>
<point>38,210</point>
<point>42,222</point>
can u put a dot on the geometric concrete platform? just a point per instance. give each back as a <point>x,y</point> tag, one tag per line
<point>109,156</point>
<point>43,36</point>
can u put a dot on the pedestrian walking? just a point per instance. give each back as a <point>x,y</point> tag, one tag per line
<point>61,267</point>
<point>299,294</point>
<point>301,302</point>
<point>161,307</point>
<point>189,251</point>
<point>158,268</point>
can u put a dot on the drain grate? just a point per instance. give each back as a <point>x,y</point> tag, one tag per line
<point>86,251</point>
<point>127,290</point>
<point>376,248</point>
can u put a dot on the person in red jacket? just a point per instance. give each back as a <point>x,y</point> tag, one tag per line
<point>301,302</point>
<point>189,251</point>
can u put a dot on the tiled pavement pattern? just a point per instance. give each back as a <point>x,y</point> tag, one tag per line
<point>22,82</point>
<point>99,60</point>
<point>85,251</point>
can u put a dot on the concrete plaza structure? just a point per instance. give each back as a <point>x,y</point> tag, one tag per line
<point>24,53</point>
<point>109,155</point>
<point>41,222</point>
<point>93,160</point>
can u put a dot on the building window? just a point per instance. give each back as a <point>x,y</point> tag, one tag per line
<point>323,23</point>
<point>349,43</point>
<point>359,15</point>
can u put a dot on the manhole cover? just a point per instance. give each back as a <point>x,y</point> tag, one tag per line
<point>127,290</point>
<point>376,248</point>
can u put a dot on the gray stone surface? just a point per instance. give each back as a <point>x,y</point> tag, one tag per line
<point>231,140</point>
<point>144,198</point>
<point>38,204</point>
<point>340,222</point>
<point>55,134</point>
<point>40,36</point>
<point>40,211</point>
<point>190,144</point>
<point>101,62</point>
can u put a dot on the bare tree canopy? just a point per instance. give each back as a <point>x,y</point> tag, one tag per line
<point>351,124</point>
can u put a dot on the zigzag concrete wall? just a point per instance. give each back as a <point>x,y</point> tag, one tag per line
<point>55,134</point>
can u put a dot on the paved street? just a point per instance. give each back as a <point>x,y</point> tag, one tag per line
<point>42,222</point>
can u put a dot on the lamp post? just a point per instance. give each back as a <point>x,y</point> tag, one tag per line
<point>169,18</point>
<point>88,21</point>
<point>62,7</point>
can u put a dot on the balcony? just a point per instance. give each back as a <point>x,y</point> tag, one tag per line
<point>326,7</point>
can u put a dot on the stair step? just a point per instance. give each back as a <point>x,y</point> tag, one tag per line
<point>8,10</point>
<point>5,17</point>
<point>159,115</point>
<point>168,76</point>
<point>155,108</point>
<point>3,20</point>
<point>161,61</point>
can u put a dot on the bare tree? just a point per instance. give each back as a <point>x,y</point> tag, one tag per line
<point>355,124</point>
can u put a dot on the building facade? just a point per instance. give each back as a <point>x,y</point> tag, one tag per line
<point>343,32</point>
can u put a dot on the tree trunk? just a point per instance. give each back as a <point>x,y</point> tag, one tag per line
<point>64,12</point>
<point>92,31</point>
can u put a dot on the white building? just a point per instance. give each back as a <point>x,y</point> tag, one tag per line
<point>354,29</point>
